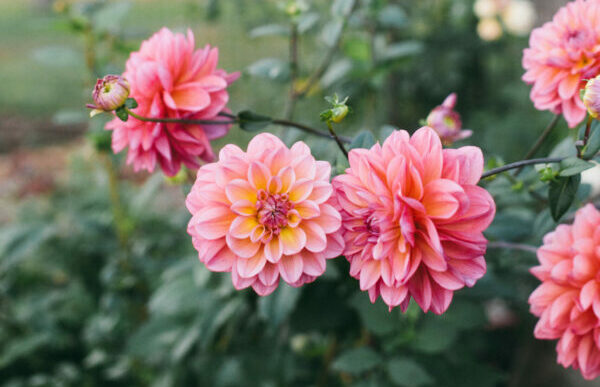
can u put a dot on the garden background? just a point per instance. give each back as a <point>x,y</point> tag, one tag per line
<point>80,306</point>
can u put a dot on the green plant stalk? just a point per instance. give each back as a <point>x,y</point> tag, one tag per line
<point>119,217</point>
<point>521,164</point>
<point>234,120</point>
<point>540,141</point>
<point>337,139</point>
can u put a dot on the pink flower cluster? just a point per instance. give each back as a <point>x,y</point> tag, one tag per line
<point>568,300</point>
<point>563,54</point>
<point>171,79</point>
<point>407,215</point>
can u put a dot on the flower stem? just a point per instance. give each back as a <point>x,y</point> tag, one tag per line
<point>179,120</point>
<point>586,135</point>
<point>337,139</point>
<point>291,103</point>
<point>540,141</point>
<point>521,164</point>
<point>234,120</point>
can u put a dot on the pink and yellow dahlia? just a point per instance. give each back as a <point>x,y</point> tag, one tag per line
<point>169,78</point>
<point>264,214</point>
<point>568,300</point>
<point>412,219</point>
<point>563,54</point>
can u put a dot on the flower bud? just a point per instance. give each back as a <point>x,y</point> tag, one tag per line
<point>110,92</point>
<point>446,121</point>
<point>338,113</point>
<point>591,97</point>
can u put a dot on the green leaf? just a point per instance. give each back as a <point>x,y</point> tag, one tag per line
<point>593,145</point>
<point>435,336</point>
<point>269,30</point>
<point>122,113</point>
<point>356,361</point>
<point>375,317</point>
<point>561,194</point>
<point>402,50</point>
<point>307,21</point>
<point>251,121</point>
<point>276,307</point>
<point>573,166</point>
<point>364,139</point>
<point>131,103</point>
<point>270,68</point>
<point>392,16</point>
<point>407,373</point>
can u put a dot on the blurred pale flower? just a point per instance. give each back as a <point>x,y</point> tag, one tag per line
<point>489,29</point>
<point>170,78</point>
<point>485,8</point>
<point>591,97</point>
<point>264,214</point>
<point>568,300</point>
<point>563,54</point>
<point>412,219</point>
<point>519,17</point>
<point>446,121</point>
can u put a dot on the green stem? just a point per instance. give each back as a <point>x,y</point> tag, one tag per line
<point>540,141</point>
<point>337,139</point>
<point>179,120</point>
<point>521,164</point>
<point>119,217</point>
<point>586,136</point>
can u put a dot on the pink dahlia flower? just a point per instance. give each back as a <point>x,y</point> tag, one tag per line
<point>568,300</point>
<point>264,214</point>
<point>446,121</point>
<point>169,78</point>
<point>412,219</point>
<point>563,54</point>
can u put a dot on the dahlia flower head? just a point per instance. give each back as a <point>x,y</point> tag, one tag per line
<point>568,300</point>
<point>591,97</point>
<point>265,214</point>
<point>169,78</point>
<point>446,121</point>
<point>562,55</point>
<point>412,219</point>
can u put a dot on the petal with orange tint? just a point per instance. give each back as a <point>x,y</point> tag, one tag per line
<point>258,175</point>
<point>239,189</point>
<point>243,207</point>
<point>243,248</point>
<point>287,177</point>
<point>242,226</point>
<point>213,222</point>
<point>189,96</point>
<point>292,240</point>
<point>300,190</point>
<point>307,209</point>
<point>273,250</point>
<point>369,274</point>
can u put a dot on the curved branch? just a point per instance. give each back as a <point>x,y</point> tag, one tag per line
<point>521,164</point>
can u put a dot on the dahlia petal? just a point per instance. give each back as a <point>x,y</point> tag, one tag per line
<point>301,189</point>
<point>589,292</point>
<point>292,239</point>
<point>428,144</point>
<point>290,268</point>
<point>308,209</point>
<point>273,250</point>
<point>269,275</point>
<point>393,296</point>
<point>248,268</point>
<point>287,177</point>
<point>369,274</point>
<point>447,279</point>
<point>258,175</point>
<point>243,248</point>
<point>313,264</point>
<point>242,226</point>
<point>189,97</point>
<point>262,289</point>
<point>213,223</point>
<point>243,207</point>
<point>330,219</point>
<point>316,240</point>
<point>239,189</point>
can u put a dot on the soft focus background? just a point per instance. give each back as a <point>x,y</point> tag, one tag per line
<point>99,282</point>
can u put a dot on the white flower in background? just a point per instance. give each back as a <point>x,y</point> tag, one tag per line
<point>489,29</point>
<point>485,8</point>
<point>519,17</point>
<point>592,178</point>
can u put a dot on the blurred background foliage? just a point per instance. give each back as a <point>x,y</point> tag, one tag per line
<point>99,282</point>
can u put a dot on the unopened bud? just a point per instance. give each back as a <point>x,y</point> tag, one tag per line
<point>110,92</point>
<point>338,113</point>
<point>591,97</point>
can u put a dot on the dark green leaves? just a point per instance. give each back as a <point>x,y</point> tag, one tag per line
<point>573,166</point>
<point>561,194</point>
<point>356,361</point>
<point>131,103</point>
<point>593,144</point>
<point>251,121</point>
<point>122,113</point>
<point>407,373</point>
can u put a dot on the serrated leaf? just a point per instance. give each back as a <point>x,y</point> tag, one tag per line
<point>364,139</point>
<point>561,194</point>
<point>269,30</point>
<point>251,121</point>
<point>407,373</point>
<point>573,166</point>
<point>356,361</point>
<point>593,144</point>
